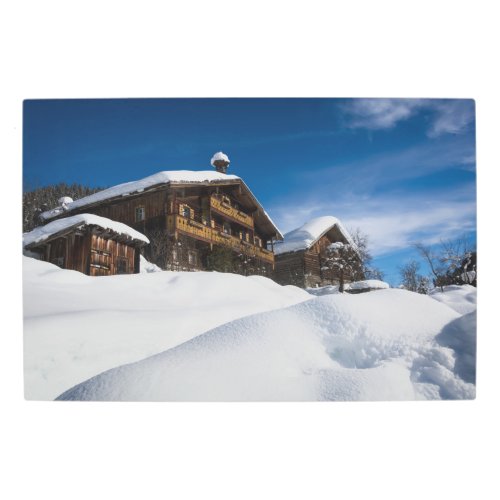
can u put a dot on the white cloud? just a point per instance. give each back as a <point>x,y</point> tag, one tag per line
<point>453,117</point>
<point>393,223</point>
<point>395,230</point>
<point>378,171</point>
<point>447,115</point>
<point>380,113</point>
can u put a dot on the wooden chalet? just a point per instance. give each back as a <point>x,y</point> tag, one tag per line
<point>301,256</point>
<point>193,219</point>
<point>87,243</point>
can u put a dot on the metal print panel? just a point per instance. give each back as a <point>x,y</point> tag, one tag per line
<point>249,249</point>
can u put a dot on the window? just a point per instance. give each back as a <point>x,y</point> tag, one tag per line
<point>192,258</point>
<point>226,227</point>
<point>186,211</point>
<point>121,266</point>
<point>258,241</point>
<point>140,214</point>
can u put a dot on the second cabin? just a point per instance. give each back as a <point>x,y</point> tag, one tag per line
<point>319,253</point>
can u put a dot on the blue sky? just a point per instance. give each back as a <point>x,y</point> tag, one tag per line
<point>402,170</point>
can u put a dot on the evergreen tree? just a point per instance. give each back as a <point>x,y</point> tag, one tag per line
<point>45,198</point>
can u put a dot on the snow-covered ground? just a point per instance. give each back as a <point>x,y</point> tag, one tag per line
<point>461,298</point>
<point>212,336</point>
<point>76,326</point>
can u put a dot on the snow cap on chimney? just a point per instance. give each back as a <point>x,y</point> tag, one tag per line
<point>220,161</point>
<point>63,201</point>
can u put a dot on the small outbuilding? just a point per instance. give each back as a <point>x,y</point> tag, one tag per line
<point>319,253</point>
<point>88,243</point>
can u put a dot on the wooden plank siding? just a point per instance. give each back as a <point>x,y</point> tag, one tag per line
<point>109,257</point>
<point>197,213</point>
<point>303,268</point>
<point>124,210</point>
<point>289,269</point>
<point>90,253</point>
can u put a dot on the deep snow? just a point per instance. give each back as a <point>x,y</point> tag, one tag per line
<point>376,346</point>
<point>212,336</point>
<point>461,298</point>
<point>76,326</point>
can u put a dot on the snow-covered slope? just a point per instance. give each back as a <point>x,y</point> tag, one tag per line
<point>461,298</point>
<point>76,326</point>
<point>384,345</point>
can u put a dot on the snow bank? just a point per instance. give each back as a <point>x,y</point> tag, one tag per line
<point>148,267</point>
<point>303,237</point>
<point>76,326</point>
<point>42,233</point>
<point>376,346</point>
<point>140,185</point>
<point>461,298</point>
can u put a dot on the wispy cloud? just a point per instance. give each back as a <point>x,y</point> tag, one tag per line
<point>380,171</point>
<point>447,116</point>
<point>392,222</point>
<point>452,117</point>
<point>377,114</point>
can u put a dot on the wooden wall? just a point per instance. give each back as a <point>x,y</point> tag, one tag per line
<point>91,254</point>
<point>289,269</point>
<point>303,268</point>
<point>155,205</point>
<point>109,257</point>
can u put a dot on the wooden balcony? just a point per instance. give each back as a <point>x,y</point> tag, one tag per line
<point>224,208</point>
<point>216,236</point>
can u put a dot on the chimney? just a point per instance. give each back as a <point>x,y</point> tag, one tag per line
<point>220,162</point>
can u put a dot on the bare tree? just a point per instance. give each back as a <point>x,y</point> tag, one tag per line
<point>412,280</point>
<point>158,248</point>
<point>452,262</point>
<point>459,257</point>
<point>342,262</point>
<point>366,271</point>
<point>434,261</point>
<point>409,275</point>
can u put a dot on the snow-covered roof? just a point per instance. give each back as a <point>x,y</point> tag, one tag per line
<point>128,188</point>
<point>164,177</point>
<point>219,156</point>
<point>42,233</point>
<point>305,236</point>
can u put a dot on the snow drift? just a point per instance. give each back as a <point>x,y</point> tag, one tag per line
<point>383,345</point>
<point>77,326</point>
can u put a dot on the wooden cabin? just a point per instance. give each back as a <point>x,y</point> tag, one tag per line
<point>195,220</point>
<point>87,243</point>
<point>302,257</point>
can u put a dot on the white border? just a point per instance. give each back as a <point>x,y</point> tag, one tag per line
<point>156,49</point>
